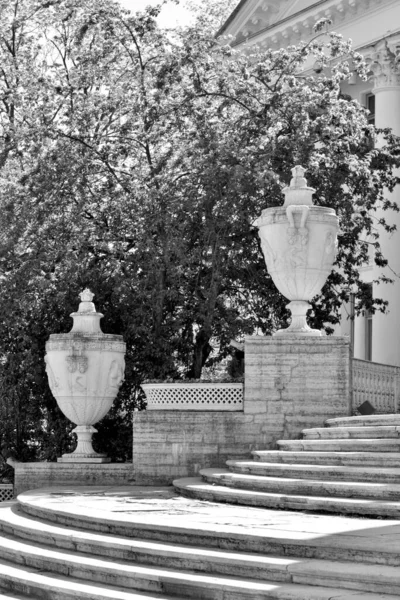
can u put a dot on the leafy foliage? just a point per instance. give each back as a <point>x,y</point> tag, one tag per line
<point>134,162</point>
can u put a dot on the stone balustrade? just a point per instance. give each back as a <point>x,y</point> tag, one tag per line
<point>376,383</point>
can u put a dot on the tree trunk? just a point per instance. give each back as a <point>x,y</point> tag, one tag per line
<point>202,350</point>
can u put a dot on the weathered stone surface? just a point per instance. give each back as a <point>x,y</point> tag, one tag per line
<point>365,421</point>
<point>169,444</point>
<point>29,476</point>
<point>123,542</point>
<point>195,487</point>
<point>342,474</point>
<point>304,381</point>
<point>290,384</point>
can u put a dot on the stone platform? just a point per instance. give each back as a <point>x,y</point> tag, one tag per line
<point>149,543</point>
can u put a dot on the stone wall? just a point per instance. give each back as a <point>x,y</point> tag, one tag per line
<point>169,444</point>
<point>290,384</point>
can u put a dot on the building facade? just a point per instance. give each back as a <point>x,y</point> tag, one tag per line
<point>374,28</point>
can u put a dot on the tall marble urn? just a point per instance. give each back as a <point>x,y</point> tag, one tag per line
<point>299,243</point>
<point>85,369</point>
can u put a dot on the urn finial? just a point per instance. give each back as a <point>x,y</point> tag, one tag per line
<point>86,305</point>
<point>298,180</point>
<point>298,192</point>
<point>86,320</point>
<point>86,295</point>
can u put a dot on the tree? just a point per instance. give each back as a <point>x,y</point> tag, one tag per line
<point>134,162</point>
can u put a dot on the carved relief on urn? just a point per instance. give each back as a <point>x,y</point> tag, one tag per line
<point>299,243</point>
<point>85,369</point>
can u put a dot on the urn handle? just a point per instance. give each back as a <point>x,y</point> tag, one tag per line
<point>297,234</point>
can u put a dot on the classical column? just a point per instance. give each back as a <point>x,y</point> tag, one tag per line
<point>384,62</point>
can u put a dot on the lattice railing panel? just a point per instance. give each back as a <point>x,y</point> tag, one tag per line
<point>194,396</point>
<point>6,492</point>
<point>376,383</point>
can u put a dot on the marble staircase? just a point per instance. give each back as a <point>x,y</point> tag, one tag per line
<point>85,543</point>
<point>351,466</point>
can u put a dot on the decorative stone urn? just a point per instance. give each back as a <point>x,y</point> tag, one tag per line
<point>85,369</point>
<point>299,243</point>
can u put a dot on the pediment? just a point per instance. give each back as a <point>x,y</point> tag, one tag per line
<point>251,16</point>
<point>279,23</point>
<point>292,8</point>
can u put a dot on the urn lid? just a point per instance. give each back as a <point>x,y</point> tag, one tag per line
<point>86,320</point>
<point>298,192</point>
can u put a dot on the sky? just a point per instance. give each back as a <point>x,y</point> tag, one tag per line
<point>170,16</point>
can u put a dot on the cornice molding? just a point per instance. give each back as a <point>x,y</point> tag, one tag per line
<point>298,26</point>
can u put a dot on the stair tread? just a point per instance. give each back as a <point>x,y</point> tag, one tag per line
<point>259,561</point>
<point>266,478</point>
<point>262,534</point>
<point>339,455</point>
<point>364,420</point>
<point>197,482</point>
<point>347,469</point>
<point>366,432</point>
<point>360,427</point>
<point>300,501</point>
<point>305,486</point>
<point>347,441</point>
<point>43,580</point>
<point>245,587</point>
<point>196,553</point>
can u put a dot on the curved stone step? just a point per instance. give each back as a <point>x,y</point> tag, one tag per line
<point>372,445</point>
<point>16,580</point>
<point>360,576</point>
<point>356,432</point>
<point>365,420</point>
<point>370,459</point>
<point>197,488</point>
<point>308,536</point>
<point>303,487</point>
<point>171,556</point>
<point>40,585</point>
<point>334,472</point>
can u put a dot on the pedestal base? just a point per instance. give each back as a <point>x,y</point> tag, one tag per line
<point>84,452</point>
<point>74,458</point>
<point>29,476</point>
<point>298,325</point>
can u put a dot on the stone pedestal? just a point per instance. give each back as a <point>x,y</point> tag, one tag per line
<point>293,383</point>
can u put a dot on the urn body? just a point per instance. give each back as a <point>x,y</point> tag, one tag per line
<point>299,253</point>
<point>299,243</point>
<point>85,372</point>
<point>85,369</point>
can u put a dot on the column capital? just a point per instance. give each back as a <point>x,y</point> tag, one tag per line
<point>383,60</point>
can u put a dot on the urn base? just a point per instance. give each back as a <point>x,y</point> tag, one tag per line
<point>84,452</point>
<point>298,325</point>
